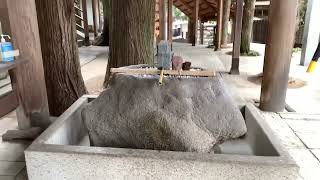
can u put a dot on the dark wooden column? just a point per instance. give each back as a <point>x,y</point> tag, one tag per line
<point>237,38</point>
<point>219,25</point>
<point>201,32</point>
<point>162,21</point>
<point>281,33</point>
<point>170,20</point>
<point>94,15</point>
<point>225,21</point>
<point>99,17</point>
<point>33,109</point>
<point>85,23</point>
<point>195,21</point>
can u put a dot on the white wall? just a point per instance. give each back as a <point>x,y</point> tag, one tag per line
<point>311,32</point>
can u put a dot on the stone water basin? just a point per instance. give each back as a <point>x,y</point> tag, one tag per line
<point>63,152</point>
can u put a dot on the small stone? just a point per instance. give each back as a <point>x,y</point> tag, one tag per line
<point>186,66</point>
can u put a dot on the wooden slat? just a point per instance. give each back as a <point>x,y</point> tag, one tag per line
<point>79,17</point>
<point>206,73</point>
<point>78,8</point>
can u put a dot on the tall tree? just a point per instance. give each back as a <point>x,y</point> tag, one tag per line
<point>247,23</point>
<point>225,21</point>
<point>132,33</point>
<point>60,54</point>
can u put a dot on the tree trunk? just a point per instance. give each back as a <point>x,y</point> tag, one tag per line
<point>247,23</point>
<point>190,31</point>
<point>132,33</point>
<point>225,21</point>
<point>60,54</point>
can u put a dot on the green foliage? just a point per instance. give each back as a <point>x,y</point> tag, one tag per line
<point>296,50</point>
<point>179,15</point>
<point>302,12</point>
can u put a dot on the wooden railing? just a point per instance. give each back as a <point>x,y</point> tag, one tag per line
<point>81,21</point>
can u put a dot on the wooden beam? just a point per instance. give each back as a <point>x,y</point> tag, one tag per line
<point>237,38</point>
<point>94,16</point>
<point>206,73</point>
<point>213,6</point>
<point>29,78</point>
<point>281,33</point>
<point>170,20</point>
<point>85,23</point>
<point>219,25</point>
<point>189,8</point>
<point>195,21</point>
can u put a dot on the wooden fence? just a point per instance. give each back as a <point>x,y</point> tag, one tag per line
<point>260,31</point>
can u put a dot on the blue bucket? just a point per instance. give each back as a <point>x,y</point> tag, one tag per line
<point>5,47</point>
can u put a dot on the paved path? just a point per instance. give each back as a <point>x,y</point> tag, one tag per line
<point>298,132</point>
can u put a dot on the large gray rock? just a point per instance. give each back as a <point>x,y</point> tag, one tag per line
<point>183,114</point>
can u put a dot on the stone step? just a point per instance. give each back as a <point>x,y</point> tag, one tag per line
<point>4,90</point>
<point>5,82</point>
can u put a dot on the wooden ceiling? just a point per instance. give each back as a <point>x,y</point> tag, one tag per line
<point>208,9</point>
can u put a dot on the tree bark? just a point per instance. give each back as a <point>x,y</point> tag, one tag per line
<point>247,23</point>
<point>60,54</point>
<point>225,21</point>
<point>132,33</point>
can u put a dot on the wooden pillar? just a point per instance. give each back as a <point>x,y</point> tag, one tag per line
<point>225,21</point>
<point>32,95</point>
<point>195,21</point>
<point>94,15</point>
<point>162,21</point>
<point>201,32</point>
<point>190,31</point>
<point>85,23</point>
<point>170,20</point>
<point>219,25</point>
<point>99,17</point>
<point>281,33</point>
<point>237,38</point>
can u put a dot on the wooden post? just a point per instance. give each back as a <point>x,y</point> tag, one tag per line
<point>219,25</point>
<point>281,33</point>
<point>94,15</point>
<point>85,23</point>
<point>237,38</point>
<point>195,21</point>
<point>170,20</point>
<point>225,21</point>
<point>4,19</point>
<point>201,32</point>
<point>30,83</point>
<point>162,21</point>
<point>99,17</point>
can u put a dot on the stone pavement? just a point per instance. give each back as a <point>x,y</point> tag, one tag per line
<point>299,132</point>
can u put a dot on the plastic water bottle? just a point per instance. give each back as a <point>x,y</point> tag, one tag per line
<point>5,48</point>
